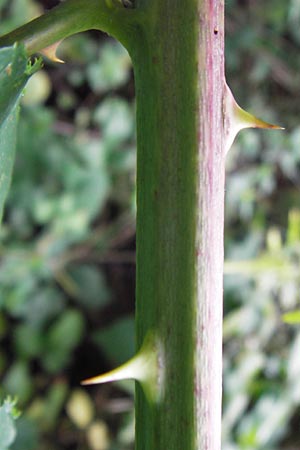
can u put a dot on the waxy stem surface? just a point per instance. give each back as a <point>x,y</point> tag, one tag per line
<point>179,79</point>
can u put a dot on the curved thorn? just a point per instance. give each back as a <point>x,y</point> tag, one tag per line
<point>50,52</point>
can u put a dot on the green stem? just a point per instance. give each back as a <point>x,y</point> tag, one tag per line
<point>179,81</point>
<point>177,52</point>
<point>74,16</point>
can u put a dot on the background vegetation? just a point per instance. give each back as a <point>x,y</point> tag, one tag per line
<point>67,242</point>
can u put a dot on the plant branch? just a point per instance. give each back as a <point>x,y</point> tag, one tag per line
<point>74,16</point>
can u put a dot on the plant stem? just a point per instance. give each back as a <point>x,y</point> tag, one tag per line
<point>177,52</point>
<point>74,16</point>
<point>179,75</point>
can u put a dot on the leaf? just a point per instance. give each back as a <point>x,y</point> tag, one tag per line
<point>293,231</point>
<point>291,317</point>
<point>111,70</point>
<point>7,154</point>
<point>7,429</point>
<point>61,339</point>
<point>89,286</point>
<point>15,70</point>
<point>117,339</point>
<point>8,412</point>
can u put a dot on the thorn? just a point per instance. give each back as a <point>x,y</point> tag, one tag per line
<point>50,52</point>
<point>145,367</point>
<point>236,119</point>
<point>128,371</point>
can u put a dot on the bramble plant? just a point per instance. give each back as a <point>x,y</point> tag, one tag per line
<point>187,120</point>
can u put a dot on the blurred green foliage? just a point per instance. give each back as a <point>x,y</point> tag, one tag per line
<point>68,231</point>
<point>262,232</point>
<point>70,206</point>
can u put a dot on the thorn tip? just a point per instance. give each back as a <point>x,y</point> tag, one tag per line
<point>50,52</point>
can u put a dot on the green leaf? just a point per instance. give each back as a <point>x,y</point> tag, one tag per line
<point>293,232</point>
<point>90,287</point>
<point>61,339</point>
<point>291,317</point>
<point>15,70</point>
<point>111,70</point>
<point>8,412</point>
<point>7,429</point>
<point>27,435</point>
<point>7,154</point>
<point>18,381</point>
<point>117,340</point>
<point>116,119</point>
